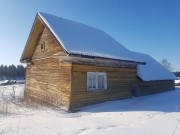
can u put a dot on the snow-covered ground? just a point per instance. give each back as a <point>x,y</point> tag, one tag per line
<point>157,114</point>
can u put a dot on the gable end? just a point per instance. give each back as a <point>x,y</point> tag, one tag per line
<point>34,38</point>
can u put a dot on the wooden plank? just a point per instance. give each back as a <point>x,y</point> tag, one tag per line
<point>84,68</point>
<point>118,84</point>
<point>151,87</point>
<point>51,46</point>
<point>47,79</point>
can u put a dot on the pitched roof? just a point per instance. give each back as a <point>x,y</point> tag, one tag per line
<point>153,70</point>
<point>78,38</point>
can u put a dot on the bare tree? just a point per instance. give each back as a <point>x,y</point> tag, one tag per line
<point>166,64</point>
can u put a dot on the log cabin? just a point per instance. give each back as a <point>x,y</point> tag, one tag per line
<point>72,65</point>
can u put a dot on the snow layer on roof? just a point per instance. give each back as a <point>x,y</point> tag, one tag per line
<point>153,70</point>
<point>82,39</point>
<point>79,38</point>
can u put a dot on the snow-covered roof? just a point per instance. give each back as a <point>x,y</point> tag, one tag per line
<point>153,70</point>
<point>78,38</point>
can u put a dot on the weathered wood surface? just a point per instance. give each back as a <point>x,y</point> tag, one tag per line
<point>51,46</point>
<point>48,79</point>
<point>152,87</point>
<point>118,85</point>
<point>51,84</point>
<point>80,60</point>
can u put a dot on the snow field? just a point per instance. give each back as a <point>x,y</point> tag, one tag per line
<point>157,114</point>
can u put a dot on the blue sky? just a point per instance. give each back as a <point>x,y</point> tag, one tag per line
<point>147,26</point>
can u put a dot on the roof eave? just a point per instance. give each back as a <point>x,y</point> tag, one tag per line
<point>100,57</point>
<point>52,32</point>
<point>32,29</point>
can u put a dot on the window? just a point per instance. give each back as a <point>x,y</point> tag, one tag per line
<point>96,81</point>
<point>43,46</point>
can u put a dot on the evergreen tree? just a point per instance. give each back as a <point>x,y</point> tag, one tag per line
<point>12,71</point>
<point>6,71</point>
<point>1,71</point>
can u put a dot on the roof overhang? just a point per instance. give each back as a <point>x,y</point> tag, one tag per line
<point>106,58</point>
<point>33,38</point>
<point>35,34</point>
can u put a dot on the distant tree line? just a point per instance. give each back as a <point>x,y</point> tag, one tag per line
<point>12,72</point>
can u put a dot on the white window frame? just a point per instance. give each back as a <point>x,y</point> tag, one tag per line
<point>95,84</point>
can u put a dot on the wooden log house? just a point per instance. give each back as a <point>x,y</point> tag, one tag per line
<point>72,65</point>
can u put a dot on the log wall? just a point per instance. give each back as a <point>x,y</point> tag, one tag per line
<point>47,79</point>
<point>152,87</point>
<point>51,46</point>
<point>118,85</point>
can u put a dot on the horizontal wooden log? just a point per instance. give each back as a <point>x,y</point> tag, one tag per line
<point>118,84</point>
<point>85,68</point>
<point>51,46</point>
<point>49,81</point>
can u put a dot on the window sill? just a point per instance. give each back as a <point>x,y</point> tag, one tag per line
<point>96,90</point>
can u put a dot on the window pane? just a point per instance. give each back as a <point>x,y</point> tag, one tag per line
<point>92,81</point>
<point>96,80</point>
<point>101,82</point>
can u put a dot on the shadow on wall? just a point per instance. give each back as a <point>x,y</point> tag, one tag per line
<point>163,102</point>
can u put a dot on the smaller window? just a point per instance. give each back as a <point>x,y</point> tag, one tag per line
<point>96,81</point>
<point>43,46</point>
